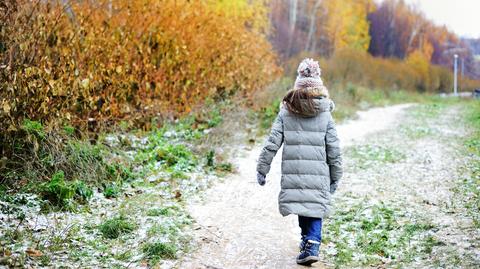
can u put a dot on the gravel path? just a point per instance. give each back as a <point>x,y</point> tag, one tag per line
<point>238,221</point>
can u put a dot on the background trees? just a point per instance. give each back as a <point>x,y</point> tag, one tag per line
<point>389,29</point>
<point>319,26</point>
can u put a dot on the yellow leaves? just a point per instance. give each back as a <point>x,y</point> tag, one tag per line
<point>418,59</point>
<point>6,107</point>
<point>29,71</point>
<point>164,55</point>
<point>347,25</point>
<point>421,65</point>
<point>57,88</point>
<point>253,13</point>
<point>413,74</point>
<point>44,106</point>
<point>85,83</point>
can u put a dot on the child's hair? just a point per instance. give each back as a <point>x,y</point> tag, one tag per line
<point>300,102</point>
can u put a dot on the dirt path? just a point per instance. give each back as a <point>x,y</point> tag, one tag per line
<point>238,221</point>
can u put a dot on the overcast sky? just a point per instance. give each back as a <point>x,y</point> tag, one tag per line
<point>460,16</point>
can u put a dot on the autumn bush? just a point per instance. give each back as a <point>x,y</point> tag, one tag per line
<point>70,69</point>
<point>415,73</point>
<point>105,61</point>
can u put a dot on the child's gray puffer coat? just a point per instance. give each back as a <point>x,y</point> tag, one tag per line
<point>311,160</point>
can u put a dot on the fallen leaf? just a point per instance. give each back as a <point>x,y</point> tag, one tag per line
<point>33,252</point>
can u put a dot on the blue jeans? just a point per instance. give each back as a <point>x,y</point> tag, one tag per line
<point>311,228</point>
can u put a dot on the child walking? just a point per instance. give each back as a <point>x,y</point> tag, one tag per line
<point>311,159</point>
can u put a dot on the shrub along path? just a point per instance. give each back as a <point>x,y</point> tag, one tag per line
<point>138,220</point>
<point>401,201</point>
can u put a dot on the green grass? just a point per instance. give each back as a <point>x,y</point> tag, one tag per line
<point>429,110</point>
<point>166,229</point>
<point>159,250</point>
<point>417,131</point>
<point>174,157</point>
<point>168,147</point>
<point>69,130</point>
<point>268,114</point>
<point>33,128</point>
<point>429,243</point>
<point>116,226</point>
<point>370,155</point>
<point>155,212</point>
<point>57,190</point>
<point>472,111</point>
<point>351,98</point>
<point>112,190</point>
<point>124,256</point>
<point>364,235</point>
<point>469,189</point>
<point>191,128</point>
<point>63,194</point>
<point>66,168</point>
<point>224,167</point>
<point>211,163</point>
<point>62,168</point>
<point>82,191</point>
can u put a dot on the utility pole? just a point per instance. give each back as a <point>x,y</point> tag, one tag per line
<point>455,74</point>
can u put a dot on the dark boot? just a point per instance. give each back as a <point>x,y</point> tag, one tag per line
<point>309,254</point>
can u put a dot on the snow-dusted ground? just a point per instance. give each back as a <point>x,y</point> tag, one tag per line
<point>239,225</point>
<point>369,122</point>
<point>407,159</point>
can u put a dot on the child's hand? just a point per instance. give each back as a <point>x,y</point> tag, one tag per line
<point>261,179</point>
<point>333,188</point>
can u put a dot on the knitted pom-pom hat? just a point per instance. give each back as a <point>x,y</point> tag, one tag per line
<point>308,75</point>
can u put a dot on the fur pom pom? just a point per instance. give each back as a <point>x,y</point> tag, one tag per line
<point>309,68</point>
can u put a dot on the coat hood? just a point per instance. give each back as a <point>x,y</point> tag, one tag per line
<point>323,104</point>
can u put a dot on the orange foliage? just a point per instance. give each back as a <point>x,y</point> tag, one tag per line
<point>112,60</point>
<point>360,68</point>
<point>346,24</point>
<point>420,64</point>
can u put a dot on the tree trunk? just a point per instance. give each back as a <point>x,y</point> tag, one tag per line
<point>416,28</point>
<point>293,5</point>
<point>293,14</point>
<point>312,29</point>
